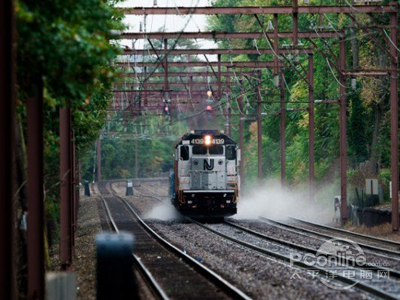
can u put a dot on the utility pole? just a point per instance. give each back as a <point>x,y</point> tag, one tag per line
<point>311,156</point>
<point>65,188</point>
<point>394,119</point>
<point>241,140</point>
<point>136,159</point>
<point>99,160</point>
<point>229,109</point>
<point>343,131</point>
<point>35,232</point>
<point>7,96</point>
<point>282,120</point>
<point>259,130</point>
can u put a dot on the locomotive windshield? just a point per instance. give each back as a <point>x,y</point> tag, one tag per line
<point>199,150</point>
<point>184,153</point>
<point>216,150</point>
<point>230,152</point>
<point>213,150</point>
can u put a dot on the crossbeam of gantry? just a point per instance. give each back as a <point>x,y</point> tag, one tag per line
<point>226,35</point>
<point>160,92</point>
<point>186,74</point>
<point>251,10</point>
<point>214,51</point>
<point>234,64</point>
<point>176,84</point>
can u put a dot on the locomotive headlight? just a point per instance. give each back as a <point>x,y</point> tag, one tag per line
<point>207,140</point>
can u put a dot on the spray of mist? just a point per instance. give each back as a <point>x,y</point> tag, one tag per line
<point>164,212</point>
<point>271,201</point>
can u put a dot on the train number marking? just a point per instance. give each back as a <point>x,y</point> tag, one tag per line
<point>201,141</point>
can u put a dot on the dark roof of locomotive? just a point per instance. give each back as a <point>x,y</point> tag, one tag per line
<point>197,134</point>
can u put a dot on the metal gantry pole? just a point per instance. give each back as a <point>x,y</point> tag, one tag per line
<point>282,121</point>
<point>145,86</point>
<point>65,189</point>
<point>219,76</point>
<point>295,22</point>
<point>241,138</point>
<point>394,120</point>
<point>7,76</point>
<point>136,159</point>
<point>166,87</point>
<point>73,191</point>
<point>259,132</point>
<point>77,181</point>
<point>276,45</point>
<point>343,131</point>
<point>35,222</point>
<point>228,81</point>
<point>99,160</point>
<point>311,126</point>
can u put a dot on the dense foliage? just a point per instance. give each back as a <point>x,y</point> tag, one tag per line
<point>64,55</point>
<point>368,102</point>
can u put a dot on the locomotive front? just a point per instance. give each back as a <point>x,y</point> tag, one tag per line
<point>205,181</point>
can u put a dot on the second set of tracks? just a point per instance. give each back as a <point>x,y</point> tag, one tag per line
<point>279,249</point>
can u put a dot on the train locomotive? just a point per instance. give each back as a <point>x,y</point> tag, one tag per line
<point>205,181</point>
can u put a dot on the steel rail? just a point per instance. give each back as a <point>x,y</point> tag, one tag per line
<point>360,285</point>
<point>362,245</point>
<point>227,287</point>
<point>359,235</point>
<point>308,249</point>
<point>151,282</point>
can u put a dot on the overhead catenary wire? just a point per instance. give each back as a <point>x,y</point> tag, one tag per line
<point>158,60</point>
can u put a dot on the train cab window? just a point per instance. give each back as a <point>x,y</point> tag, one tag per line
<point>230,152</point>
<point>199,150</point>
<point>184,153</point>
<point>216,150</point>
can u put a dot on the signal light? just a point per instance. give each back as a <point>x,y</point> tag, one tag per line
<point>167,110</point>
<point>209,108</point>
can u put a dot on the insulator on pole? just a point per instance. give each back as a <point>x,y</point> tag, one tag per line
<point>353,84</point>
<point>296,56</point>
<point>270,26</point>
<point>276,80</point>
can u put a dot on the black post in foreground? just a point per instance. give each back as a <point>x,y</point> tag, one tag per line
<point>115,277</point>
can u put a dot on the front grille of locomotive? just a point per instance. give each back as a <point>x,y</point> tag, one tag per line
<point>208,173</point>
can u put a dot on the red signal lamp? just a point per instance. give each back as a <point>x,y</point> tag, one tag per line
<point>209,108</point>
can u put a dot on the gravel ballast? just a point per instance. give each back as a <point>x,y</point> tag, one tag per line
<point>259,276</point>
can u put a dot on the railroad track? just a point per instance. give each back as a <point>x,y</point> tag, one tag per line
<point>386,289</point>
<point>342,234</point>
<point>171,273</point>
<point>377,241</point>
<point>152,284</point>
<point>279,249</point>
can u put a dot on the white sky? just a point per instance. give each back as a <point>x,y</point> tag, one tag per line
<point>172,23</point>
